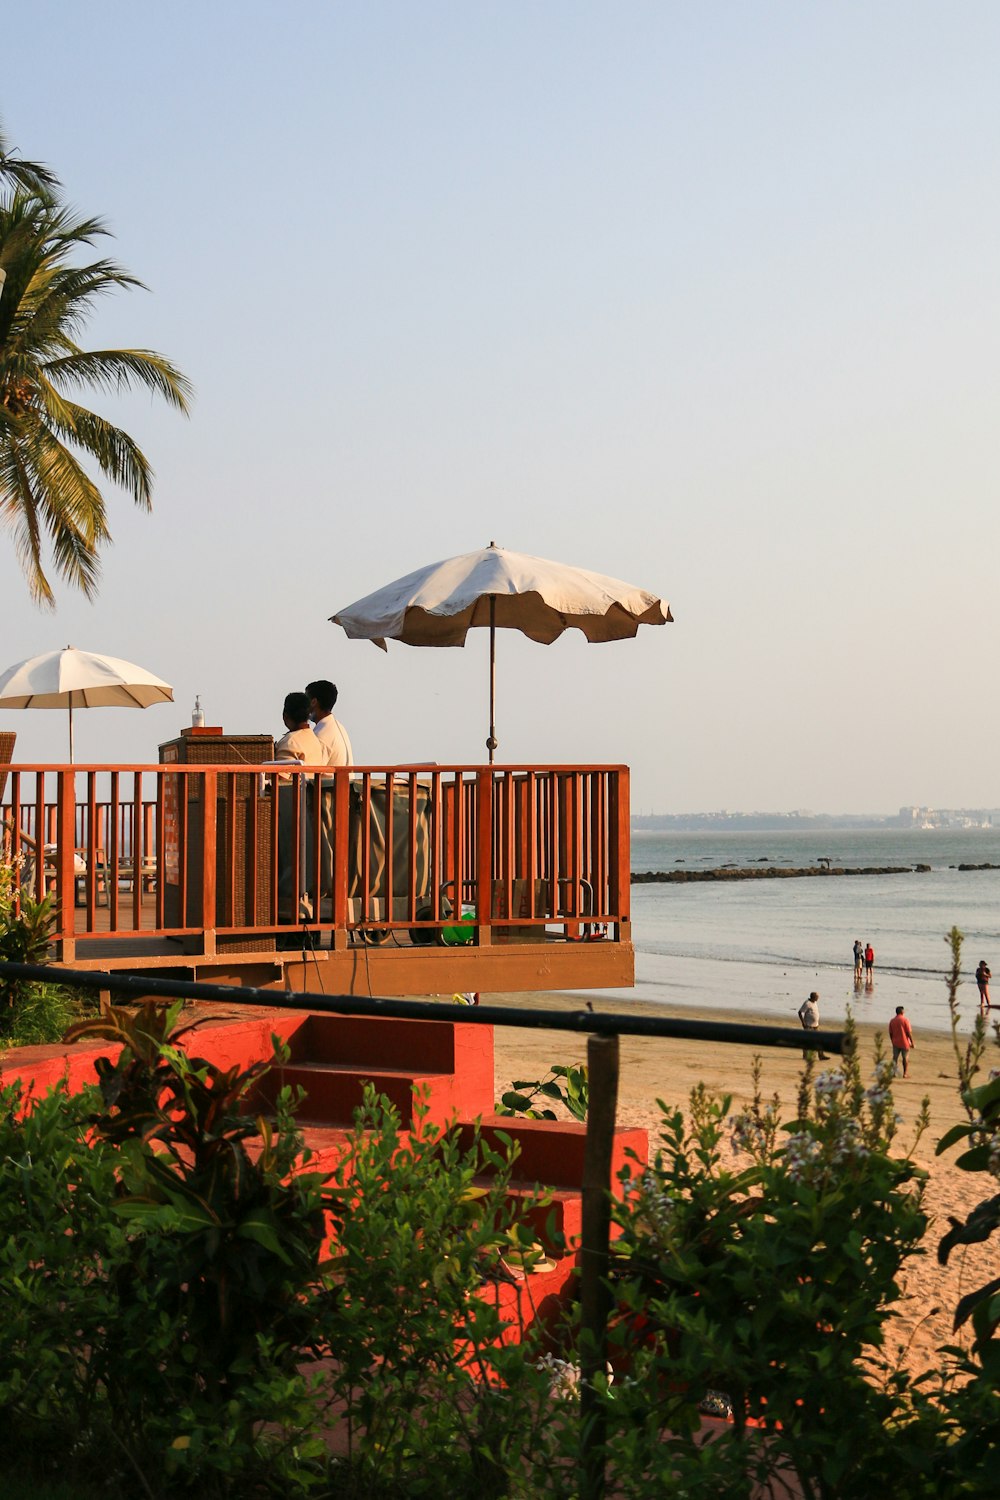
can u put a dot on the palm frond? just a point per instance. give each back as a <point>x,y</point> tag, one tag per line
<point>117,454</point>
<point>117,370</point>
<point>48,297</point>
<point>19,511</point>
<point>31,175</point>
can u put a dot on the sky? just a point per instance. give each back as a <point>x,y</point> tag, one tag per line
<point>703,297</point>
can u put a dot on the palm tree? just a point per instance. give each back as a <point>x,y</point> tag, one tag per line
<point>45,489</point>
<point>25,174</point>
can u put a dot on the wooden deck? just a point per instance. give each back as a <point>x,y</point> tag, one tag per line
<point>360,882</point>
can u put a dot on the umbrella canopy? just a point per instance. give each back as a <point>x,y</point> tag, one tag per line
<point>439,604</point>
<point>80,679</point>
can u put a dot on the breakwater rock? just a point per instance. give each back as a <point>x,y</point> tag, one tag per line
<point>769,872</point>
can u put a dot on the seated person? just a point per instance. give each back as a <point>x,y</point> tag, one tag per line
<point>322,698</point>
<point>300,743</point>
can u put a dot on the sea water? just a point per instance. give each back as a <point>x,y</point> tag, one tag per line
<point>763,944</point>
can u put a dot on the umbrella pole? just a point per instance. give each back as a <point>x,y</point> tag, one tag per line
<point>491,743</point>
<point>71,730</point>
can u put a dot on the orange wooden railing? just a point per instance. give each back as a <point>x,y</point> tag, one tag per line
<point>229,855</point>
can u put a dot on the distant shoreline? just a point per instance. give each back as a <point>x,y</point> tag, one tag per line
<point>773,872</point>
<point>781,872</point>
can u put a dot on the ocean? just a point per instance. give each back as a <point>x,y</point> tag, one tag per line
<point>764,944</point>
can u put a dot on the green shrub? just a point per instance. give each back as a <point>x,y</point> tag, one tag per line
<point>432,1403</point>
<point>772,1279</point>
<point>565,1085</point>
<point>31,1012</point>
<point>156,1276</point>
<point>971,1401</point>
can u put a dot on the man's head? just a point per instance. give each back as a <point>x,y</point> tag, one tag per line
<point>814,996</point>
<point>899,1010</point>
<point>322,697</point>
<point>296,710</point>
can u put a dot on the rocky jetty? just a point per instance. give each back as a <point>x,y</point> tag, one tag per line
<point>772,872</point>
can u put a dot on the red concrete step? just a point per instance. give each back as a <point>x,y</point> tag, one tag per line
<point>562,1213</point>
<point>379,1044</point>
<point>539,1298</point>
<point>552,1150</point>
<point>334,1091</point>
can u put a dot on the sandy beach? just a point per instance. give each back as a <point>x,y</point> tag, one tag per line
<point>667,1069</point>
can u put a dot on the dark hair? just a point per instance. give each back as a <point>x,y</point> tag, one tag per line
<point>899,1010</point>
<point>297,707</point>
<point>324,692</point>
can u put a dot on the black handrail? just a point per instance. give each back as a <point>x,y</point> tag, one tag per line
<point>598,1023</point>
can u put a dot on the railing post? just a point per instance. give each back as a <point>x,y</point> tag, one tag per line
<point>484,860</point>
<point>65,863</point>
<point>619,853</point>
<point>341,849</point>
<point>595,1291</point>
<point>210,813</point>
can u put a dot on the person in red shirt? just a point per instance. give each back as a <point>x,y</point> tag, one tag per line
<point>901,1038</point>
<point>869,963</point>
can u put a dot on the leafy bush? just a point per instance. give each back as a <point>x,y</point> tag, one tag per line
<point>972,1401</point>
<point>156,1275</point>
<point>772,1278</point>
<point>30,1012</point>
<point>163,1299</point>
<point>432,1401</point>
<point>568,1086</point>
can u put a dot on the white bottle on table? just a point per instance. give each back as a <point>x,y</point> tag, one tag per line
<point>198,717</point>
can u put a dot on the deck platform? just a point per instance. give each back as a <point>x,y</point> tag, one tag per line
<point>390,880</point>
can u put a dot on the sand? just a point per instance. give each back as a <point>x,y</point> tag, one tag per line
<point>668,1069</point>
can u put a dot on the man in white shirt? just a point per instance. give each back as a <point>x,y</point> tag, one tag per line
<point>336,743</point>
<point>809,1016</point>
<point>322,698</point>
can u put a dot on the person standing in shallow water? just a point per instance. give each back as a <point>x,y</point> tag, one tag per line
<point>859,959</point>
<point>869,964</point>
<point>983,981</point>
<point>809,1016</point>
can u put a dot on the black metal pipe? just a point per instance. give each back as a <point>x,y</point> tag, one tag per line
<point>597,1023</point>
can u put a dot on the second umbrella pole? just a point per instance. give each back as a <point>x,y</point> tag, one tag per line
<point>491,743</point>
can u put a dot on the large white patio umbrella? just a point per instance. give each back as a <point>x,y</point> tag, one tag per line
<point>80,679</point>
<point>439,604</point>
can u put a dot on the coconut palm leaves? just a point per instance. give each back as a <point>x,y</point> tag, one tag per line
<point>26,174</point>
<point>49,443</point>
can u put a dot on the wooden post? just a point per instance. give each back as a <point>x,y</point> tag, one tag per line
<point>65,933</point>
<point>210,813</point>
<point>619,851</point>
<point>341,857</point>
<point>484,861</point>
<point>595,1295</point>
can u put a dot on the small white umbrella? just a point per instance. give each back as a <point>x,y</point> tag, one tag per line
<point>80,679</point>
<point>437,606</point>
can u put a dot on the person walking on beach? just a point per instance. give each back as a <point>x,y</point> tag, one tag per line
<point>859,958</point>
<point>983,981</point>
<point>809,1016</point>
<point>901,1038</point>
<point>869,963</point>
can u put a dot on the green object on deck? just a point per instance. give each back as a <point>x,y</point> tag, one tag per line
<point>463,931</point>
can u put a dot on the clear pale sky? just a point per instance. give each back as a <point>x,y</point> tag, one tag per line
<point>703,296</point>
